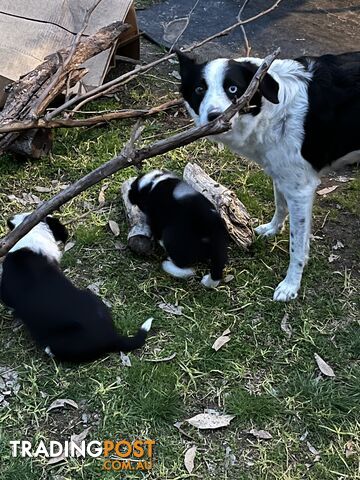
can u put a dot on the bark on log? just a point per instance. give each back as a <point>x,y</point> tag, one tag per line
<point>232,211</point>
<point>139,237</point>
<point>33,143</point>
<point>32,93</point>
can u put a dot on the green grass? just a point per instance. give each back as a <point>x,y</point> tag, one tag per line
<point>265,379</point>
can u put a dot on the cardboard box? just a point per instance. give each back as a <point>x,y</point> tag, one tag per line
<point>30,30</point>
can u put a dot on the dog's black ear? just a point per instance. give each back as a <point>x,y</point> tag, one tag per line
<point>58,229</point>
<point>268,86</point>
<point>10,224</point>
<point>133,192</point>
<point>186,63</point>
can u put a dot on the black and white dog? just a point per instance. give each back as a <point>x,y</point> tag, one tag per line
<point>70,324</point>
<point>185,224</point>
<point>305,118</point>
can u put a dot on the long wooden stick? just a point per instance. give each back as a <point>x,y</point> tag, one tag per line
<point>17,126</point>
<point>131,156</point>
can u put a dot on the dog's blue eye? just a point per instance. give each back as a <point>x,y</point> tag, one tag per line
<point>233,89</point>
<point>199,90</point>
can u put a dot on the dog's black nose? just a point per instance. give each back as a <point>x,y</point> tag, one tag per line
<point>213,115</point>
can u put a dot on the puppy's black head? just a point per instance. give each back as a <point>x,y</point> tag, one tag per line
<point>57,228</point>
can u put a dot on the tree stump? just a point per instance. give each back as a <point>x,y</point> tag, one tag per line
<point>231,210</point>
<point>139,237</point>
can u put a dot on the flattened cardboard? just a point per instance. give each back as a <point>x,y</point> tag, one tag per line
<point>32,29</point>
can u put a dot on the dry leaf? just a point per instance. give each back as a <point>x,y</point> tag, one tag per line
<point>262,434</point>
<point>323,366</point>
<point>210,421</point>
<point>312,449</point>
<point>175,74</point>
<point>222,340</point>
<point>125,360</point>
<point>189,460</point>
<point>326,190</point>
<point>172,309</point>
<point>61,402</point>
<point>285,326</point>
<point>69,246</point>
<point>43,189</point>
<point>101,197</point>
<point>120,246</point>
<point>114,227</point>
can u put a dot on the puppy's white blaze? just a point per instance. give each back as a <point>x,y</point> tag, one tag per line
<point>146,326</point>
<point>215,98</point>
<point>170,268</point>
<point>148,178</point>
<point>39,240</point>
<point>183,190</point>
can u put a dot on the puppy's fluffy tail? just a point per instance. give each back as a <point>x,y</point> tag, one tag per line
<point>127,344</point>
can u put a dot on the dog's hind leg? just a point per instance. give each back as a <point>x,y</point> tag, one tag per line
<point>300,210</point>
<point>277,222</point>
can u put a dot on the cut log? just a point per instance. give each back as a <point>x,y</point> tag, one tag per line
<point>33,143</point>
<point>232,211</point>
<point>139,237</point>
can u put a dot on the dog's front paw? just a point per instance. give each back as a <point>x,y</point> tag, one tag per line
<point>268,229</point>
<point>286,291</point>
<point>208,282</point>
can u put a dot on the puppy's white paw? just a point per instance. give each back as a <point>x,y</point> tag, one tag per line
<point>286,291</point>
<point>208,282</point>
<point>268,229</point>
<point>49,352</point>
<point>177,272</point>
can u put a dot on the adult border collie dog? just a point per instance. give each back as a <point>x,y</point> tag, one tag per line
<point>70,324</point>
<point>185,224</point>
<point>304,120</point>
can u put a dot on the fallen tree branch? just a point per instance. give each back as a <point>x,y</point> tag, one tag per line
<point>85,122</point>
<point>32,86</point>
<point>131,156</point>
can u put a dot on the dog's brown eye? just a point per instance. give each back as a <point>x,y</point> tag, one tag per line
<point>233,89</point>
<point>199,90</point>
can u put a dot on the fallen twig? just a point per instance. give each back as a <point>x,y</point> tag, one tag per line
<point>85,122</point>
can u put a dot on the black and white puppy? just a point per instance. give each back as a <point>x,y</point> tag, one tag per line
<point>185,224</point>
<point>305,118</point>
<point>71,324</point>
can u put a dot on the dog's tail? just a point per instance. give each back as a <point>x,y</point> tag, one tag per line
<point>127,344</point>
